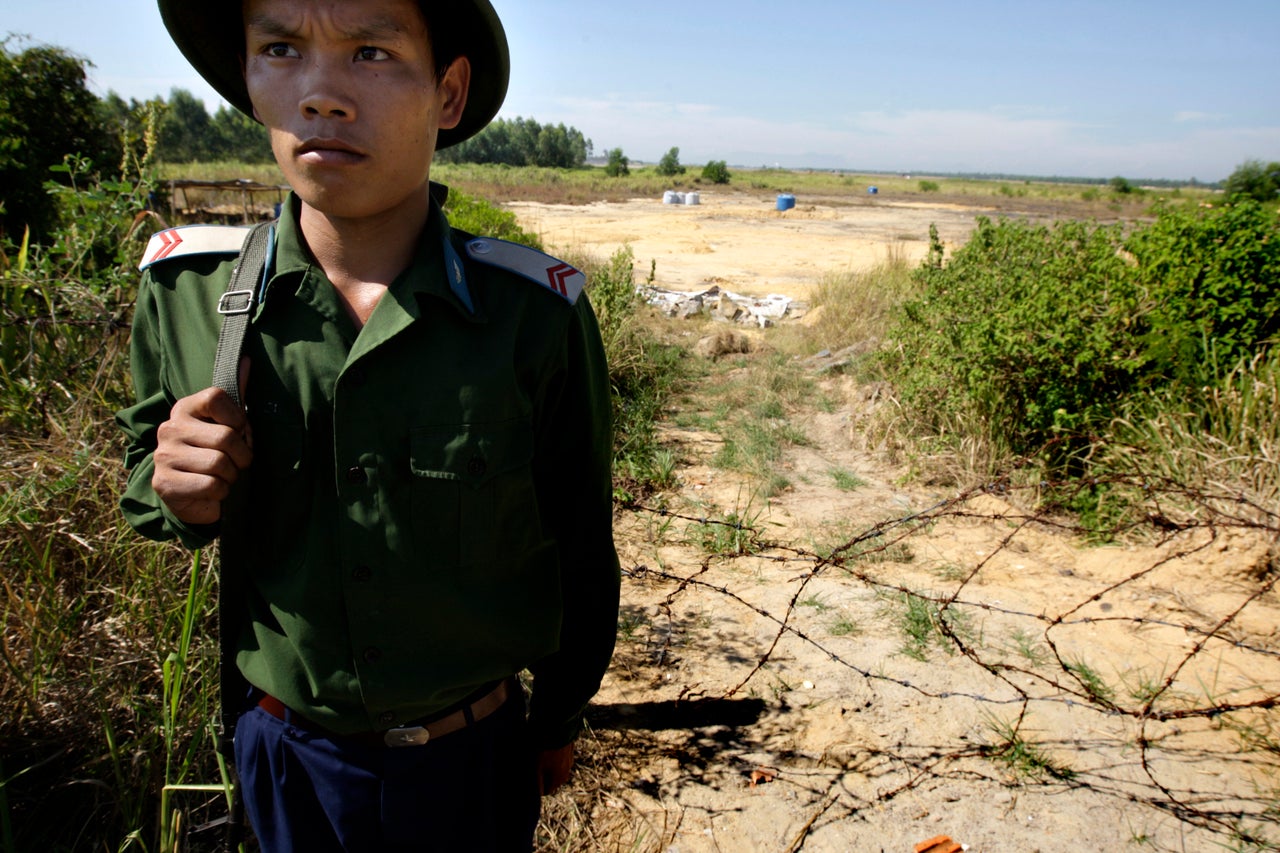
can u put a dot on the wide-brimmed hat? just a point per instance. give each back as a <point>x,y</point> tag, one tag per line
<point>210,35</point>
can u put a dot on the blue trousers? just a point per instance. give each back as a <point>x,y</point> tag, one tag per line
<point>471,790</point>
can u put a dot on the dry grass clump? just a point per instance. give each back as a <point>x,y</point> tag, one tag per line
<point>593,811</point>
<point>89,614</point>
<point>858,308</point>
<point>1226,440</point>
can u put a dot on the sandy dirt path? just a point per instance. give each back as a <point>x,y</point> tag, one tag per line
<point>976,673</point>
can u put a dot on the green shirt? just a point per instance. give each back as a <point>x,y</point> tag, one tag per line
<point>429,505</point>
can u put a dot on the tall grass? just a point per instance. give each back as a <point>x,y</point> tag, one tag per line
<point>90,614</point>
<point>1225,437</point>
<point>643,368</point>
<point>858,308</point>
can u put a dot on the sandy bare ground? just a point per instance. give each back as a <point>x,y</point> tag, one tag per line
<point>1055,695</point>
<point>741,242</point>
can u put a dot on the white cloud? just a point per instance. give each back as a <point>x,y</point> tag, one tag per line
<point>1183,116</point>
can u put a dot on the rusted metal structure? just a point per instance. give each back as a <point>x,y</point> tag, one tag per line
<point>223,201</point>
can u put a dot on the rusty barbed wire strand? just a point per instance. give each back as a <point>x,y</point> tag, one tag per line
<point>1176,513</point>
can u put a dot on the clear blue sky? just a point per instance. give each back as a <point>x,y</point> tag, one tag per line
<point>1137,88</point>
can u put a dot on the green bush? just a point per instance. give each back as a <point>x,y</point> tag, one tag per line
<point>617,164</point>
<point>97,656</point>
<point>1121,186</point>
<point>642,370</point>
<point>479,217</point>
<point>669,166</point>
<point>1045,334</point>
<point>1026,328</point>
<point>63,305</point>
<point>1212,280</point>
<point>929,186</point>
<point>716,171</point>
<point>1255,180</point>
<point>47,113</point>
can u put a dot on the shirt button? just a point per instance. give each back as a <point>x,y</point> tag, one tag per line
<point>356,475</point>
<point>476,466</point>
<point>361,574</point>
<point>372,655</point>
<point>386,718</point>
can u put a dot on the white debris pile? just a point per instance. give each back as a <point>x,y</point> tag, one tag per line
<point>762,311</point>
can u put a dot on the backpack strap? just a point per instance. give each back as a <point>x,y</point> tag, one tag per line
<point>236,307</point>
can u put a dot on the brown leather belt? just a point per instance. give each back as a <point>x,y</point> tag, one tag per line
<point>412,734</point>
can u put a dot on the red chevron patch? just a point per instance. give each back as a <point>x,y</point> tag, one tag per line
<point>557,276</point>
<point>171,241</point>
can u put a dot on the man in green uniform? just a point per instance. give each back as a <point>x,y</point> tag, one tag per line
<point>414,501</point>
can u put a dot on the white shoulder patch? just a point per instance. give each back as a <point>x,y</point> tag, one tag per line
<point>194,240</point>
<point>554,275</point>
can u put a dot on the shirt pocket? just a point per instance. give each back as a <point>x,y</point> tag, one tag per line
<point>474,502</point>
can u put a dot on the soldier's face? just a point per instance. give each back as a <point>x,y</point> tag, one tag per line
<point>349,93</point>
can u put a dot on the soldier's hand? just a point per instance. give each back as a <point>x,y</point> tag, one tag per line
<point>553,768</point>
<point>200,452</point>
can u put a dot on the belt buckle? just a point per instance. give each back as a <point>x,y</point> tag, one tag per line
<point>406,736</point>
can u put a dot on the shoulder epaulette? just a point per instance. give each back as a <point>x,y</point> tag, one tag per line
<point>193,240</point>
<point>539,268</point>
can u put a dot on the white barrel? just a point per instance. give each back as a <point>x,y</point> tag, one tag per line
<point>669,197</point>
<point>692,198</point>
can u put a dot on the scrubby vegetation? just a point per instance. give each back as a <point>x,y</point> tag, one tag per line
<point>1036,333</point>
<point>1082,348</point>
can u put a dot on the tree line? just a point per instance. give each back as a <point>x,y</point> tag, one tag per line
<point>522,142</point>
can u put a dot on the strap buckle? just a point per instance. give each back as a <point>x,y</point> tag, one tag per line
<point>406,736</point>
<point>235,302</point>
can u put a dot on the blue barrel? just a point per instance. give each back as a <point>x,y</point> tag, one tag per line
<point>786,201</point>
<point>873,190</point>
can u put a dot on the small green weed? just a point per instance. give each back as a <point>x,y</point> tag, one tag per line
<point>630,621</point>
<point>1029,647</point>
<point>846,480</point>
<point>1143,686</point>
<point>734,534</point>
<point>921,620</point>
<point>844,626</point>
<point>950,572</point>
<point>815,601</point>
<point>1091,681</point>
<point>1025,760</point>
<point>877,549</point>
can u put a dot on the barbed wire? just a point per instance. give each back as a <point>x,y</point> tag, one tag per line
<point>1178,523</point>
